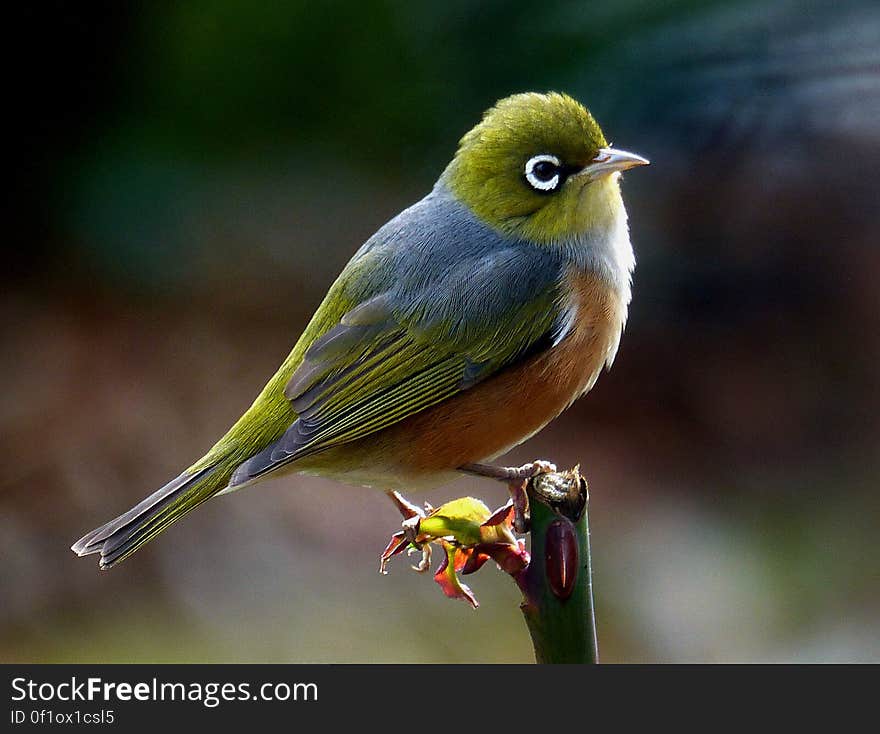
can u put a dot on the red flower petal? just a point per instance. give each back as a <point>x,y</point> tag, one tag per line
<point>448,579</point>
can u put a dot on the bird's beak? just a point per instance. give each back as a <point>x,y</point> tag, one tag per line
<point>609,160</point>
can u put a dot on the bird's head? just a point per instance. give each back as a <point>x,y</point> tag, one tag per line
<point>538,167</point>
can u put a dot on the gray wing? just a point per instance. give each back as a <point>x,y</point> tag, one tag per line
<point>462,304</point>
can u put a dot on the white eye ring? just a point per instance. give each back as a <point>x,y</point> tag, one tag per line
<point>538,183</point>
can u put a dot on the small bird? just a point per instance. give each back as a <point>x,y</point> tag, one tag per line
<point>458,330</point>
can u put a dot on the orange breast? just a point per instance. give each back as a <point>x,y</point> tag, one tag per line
<point>495,415</point>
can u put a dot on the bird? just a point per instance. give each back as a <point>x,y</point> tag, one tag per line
<point>458,330</point>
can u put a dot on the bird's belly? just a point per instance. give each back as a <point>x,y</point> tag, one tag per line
<point>493,416</point>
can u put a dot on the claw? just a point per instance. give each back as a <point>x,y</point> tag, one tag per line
<point>539,466</point>
<point>517,478</point>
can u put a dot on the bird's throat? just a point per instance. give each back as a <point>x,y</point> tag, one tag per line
<point>595,238</point>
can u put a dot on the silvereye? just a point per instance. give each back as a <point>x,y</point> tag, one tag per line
<point>457,331</point>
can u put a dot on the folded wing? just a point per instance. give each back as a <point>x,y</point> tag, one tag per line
<point>398,354</point>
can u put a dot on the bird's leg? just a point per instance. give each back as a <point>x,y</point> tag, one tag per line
<point>517,479</point>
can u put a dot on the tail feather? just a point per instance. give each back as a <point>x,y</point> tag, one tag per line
<point>122,536</point>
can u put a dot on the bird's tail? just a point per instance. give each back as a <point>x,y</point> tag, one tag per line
<point>121,537</point>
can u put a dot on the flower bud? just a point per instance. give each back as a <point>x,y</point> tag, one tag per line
<point>561,557</point>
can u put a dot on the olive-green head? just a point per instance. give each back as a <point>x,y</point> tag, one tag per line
<point>538,166</point>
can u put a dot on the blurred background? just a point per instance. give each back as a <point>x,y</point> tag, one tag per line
<point>189,178</point>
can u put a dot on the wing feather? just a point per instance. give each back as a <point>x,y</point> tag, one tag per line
<point>385,379</point>
<point>454,313</point>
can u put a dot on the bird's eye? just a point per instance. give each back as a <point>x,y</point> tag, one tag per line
<point>543,172</point>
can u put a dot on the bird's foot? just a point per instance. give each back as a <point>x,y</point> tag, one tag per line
<point>517,479</point>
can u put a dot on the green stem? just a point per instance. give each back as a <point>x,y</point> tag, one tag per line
<point>557,585</point>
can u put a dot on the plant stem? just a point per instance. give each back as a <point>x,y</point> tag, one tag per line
<point>557,585</point>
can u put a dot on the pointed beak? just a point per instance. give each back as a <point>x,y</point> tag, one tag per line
<point>609,160</point>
